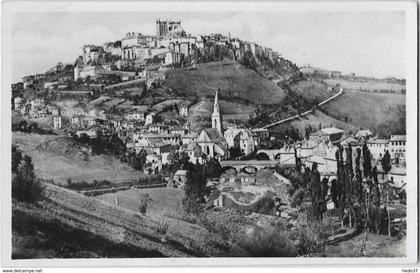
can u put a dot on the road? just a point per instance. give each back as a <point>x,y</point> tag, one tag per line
<point>304,113</point>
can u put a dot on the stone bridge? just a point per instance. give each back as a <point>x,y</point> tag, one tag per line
<point>282,156</point>
<point>248,166</point>
<point>270,154</point>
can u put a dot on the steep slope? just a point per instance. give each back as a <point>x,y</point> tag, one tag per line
<point>235,82</point>
<point>313,91</point>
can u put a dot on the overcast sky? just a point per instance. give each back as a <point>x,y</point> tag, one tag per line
<point>366,43</point>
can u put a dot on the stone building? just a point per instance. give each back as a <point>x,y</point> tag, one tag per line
<point>168,27</point>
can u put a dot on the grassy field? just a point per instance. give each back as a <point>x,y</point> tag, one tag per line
<point>233,80</point>
<point>162,105</point>
<point>314,120</point>
<point>368,85</point>
<point>369,110</point>
<point>138,235</point>
<point>164,201</point>
<point>57,158</point>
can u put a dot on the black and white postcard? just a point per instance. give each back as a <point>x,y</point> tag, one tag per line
<point>179,133</point>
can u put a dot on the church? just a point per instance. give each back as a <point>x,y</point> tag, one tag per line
<point>211,140</point>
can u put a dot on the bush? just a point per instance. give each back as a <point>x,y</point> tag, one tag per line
<point>144,202</point>
<point>267,242</point>
<point>310,240</point>
<point>297,198</point>
<point>162,227</point>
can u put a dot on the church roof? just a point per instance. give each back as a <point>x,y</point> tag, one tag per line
<point>210,135</point>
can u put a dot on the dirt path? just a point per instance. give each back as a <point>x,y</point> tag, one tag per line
<point>304,113</point>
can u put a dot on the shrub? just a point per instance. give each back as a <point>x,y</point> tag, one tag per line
<point>144,202</point>
<point>310,240</point>
<point>267,242</point>
<point>162,227</point>
<point>297,198</point>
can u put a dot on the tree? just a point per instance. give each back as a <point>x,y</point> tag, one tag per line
<point>386,167</point>
<point>194,188</point>
<point>367,161</point>
<point>386,162</point>
<point>16,158</point>
<point>318,206</point>
<point>376,199</point>
<point>25,186</point>
<point>212,168</point>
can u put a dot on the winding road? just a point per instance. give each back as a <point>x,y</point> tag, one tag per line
<point>304,113</point>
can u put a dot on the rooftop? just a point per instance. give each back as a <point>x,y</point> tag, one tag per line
<point>331,131</point>
<point>398,138</point>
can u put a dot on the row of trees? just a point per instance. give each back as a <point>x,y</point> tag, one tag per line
<point>357,192</point>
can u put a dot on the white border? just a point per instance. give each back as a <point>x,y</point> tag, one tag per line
<point>410,8</point>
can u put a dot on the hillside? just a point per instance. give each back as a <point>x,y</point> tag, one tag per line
<point>312,90</point>
<point>199,115</point>
<point>58,158</point>
<point>314,120</point>
<point>235,82</point>
<point>384,113</point>
<point>110,227</point>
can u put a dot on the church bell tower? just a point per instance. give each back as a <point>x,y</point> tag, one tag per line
<point>216,117</point>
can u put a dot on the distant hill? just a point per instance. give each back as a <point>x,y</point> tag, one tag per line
<point>235,81</point>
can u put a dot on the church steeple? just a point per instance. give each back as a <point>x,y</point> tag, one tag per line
<point>216,117</point>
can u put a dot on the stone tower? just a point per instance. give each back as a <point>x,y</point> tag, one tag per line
<point>216,117</point>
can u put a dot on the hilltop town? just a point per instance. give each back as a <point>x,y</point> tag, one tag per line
<point>139,126</point>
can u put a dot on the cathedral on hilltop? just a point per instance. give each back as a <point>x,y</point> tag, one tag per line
<point>211,140</point>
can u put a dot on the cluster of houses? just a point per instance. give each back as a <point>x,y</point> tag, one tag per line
<point>169,47</point>
<point>139,130</point>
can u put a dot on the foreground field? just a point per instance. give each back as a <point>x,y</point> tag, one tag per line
<point>383,112</point>
<point>163,201</point>
<point>376,246</point>
<point>137,235</point>
<point>57,158</point>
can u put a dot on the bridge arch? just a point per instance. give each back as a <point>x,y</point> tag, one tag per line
<point>249,170</point>
<point>230,169</point>
<point>263,156</point>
